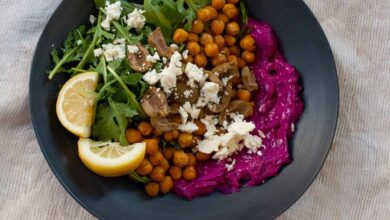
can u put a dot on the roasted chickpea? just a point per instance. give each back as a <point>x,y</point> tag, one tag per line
<point>189,173</point>
<point>240,63</point>
<point>211,50</point>
<point>145,128</point>
<point>220,41</point>
<point>185,139</point>
<point>156,158</point>
<point>193,48</point>
<point>206,38</point>
<point>133,136</point>
<point>180,36</point>
<point>212,11</point>
<point>225,51</point>
<point>217,26</point>
<point>244,95</point>
<point>164,164</point>
<point>197,26</point>
<point>157,132</point>
<point>180,158</point>
<point>168,153</point>
<point>191,159</point>
<point>175,133</point>
<point>157,174</point>
<point>235,50</point>
<point>231,58</point>
<point>151,146</point>
<point>248,43</point>
<point>189,59</point>
<point>192,37</point>
<point>201,128</point>
<point>175,172</point>
<point>166,184</point>
<point>144,168</point>
<point>152,189</point>
<point>232,28</point>
<point>218,60</point>
<point>223,18</point>
<point>233,1</point>
<point>230,10</point>
<point>248,56</point>
<point>204,15</point>
<point>168,136</point>
<point>200,156</point>
<point>218,4</point>
<point>230,40</point>
<point>200,60</point>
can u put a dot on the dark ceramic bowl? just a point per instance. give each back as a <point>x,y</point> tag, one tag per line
<point>303,44</point>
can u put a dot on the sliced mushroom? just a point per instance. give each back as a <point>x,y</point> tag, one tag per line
<point>137,61</point>
<point>228,69</point>
<point>156,39</point>
<point>164,123</point>
<point>237,106</point>
<point>180,96</point>
<point>248,79</point>
<point>225,100</point>
<point>155,103</point>
<point>213,77</point>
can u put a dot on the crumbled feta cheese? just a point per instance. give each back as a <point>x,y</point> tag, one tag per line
<point>192,110</point>
<point>153,58</point>
<point>183,114</point>
<point>209,145</point>
<point>185,54</point>
<point>79,42</point>
<point>230,167</point>
<point>176,59</point>
<point>164,59</point>
<point>252,142</point>
<point>226,80</point>
<point>113,12</point>
<point>221,154</point>
<point>92,19</point>
<point>151,77</point>
<point>195,74</point>
<point>174,46</point>
<point>119,41</point>
<point>132,49</point>
<point>210,121</point>
<point>210,92</point>
<point>114,52</point>
<point>135,19</point>
<point>98,52</point>
<point>187,93</point>
<point>241,127</point>
<point>168,79</point>
<point>188,127</point>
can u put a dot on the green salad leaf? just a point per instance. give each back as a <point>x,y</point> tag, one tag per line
<point>137,178</point>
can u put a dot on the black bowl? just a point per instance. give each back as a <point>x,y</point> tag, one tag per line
<point>304,45</point>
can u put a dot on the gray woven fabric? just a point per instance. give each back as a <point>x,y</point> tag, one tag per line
<point>355,180</point>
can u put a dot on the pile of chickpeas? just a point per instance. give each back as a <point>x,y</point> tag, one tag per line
<point>213,39</point>
<point>165,165</point>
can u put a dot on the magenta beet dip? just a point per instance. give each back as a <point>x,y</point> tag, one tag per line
<point>278,107</point>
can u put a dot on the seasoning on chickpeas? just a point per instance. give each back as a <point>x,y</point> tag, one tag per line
<point>235,50</point>
<point>166,184</point>
<point>225,51</point>
<point>200,60</point>
<point>218,4</point>
<point>213,12</point>
<point>201,128</point>
<point>175,172</point>
<point>204,15</point>
<point>206,38</point>
<point>248,56</point>
<point>185,139</point>
<point>180,158</point>
<point>230,40</point>
<point>244,95</point>
<point>197,26</point>
<point>211,50</point>
<point>156,158</point>
<point>157,174</point>
<point>192,37</point>
<point>180,36</point>
<point>230,10</point>
<point>191,159</point>
<point>168,152</point>
<point>219,59</point>
<point>152,189</point>
<point>240,63</point>
<point>232,58</point>
<point>220,41</point>
<point>233,28</point>
<point>189,173</point>
<point>248,43</point>
<point>145,128</point>
<point>144,168</point>
<point>133,136</point>
<point>151,146</point>
<point>157,132</point>
<point>164,163</point>
<point>217,26</point>
<point>193,48</point>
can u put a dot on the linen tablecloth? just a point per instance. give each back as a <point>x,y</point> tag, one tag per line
<point>353,184</point>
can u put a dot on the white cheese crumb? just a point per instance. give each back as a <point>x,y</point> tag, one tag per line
<point>210,121</point>
<point>113,12</point>
<point>187,93</point>
<point>176,59</point>
<point>164,59</point>
<point>132,49</point>
<point>174,46</point>
<point>114,52</point>
<point>191,110</point>
<point>210,92</point>
<point>188,127</point>
<point>226,80</point>
<point>195,74</point>
<point>230,167</point>
<point>92,19</point>
<point>98,52</point>
<point>183,114</point>
<point>151,77</point>
<point>185,54</point>
<point>119,41</point>
<point>136,19</point>
<point>209,145</point>
<point>252,142</point>
<point>153,58</point>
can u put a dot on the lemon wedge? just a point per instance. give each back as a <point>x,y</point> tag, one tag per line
<point>75,103</point>
<point>110,159</point>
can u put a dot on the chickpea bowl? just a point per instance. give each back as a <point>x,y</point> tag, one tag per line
<point>220,109</point>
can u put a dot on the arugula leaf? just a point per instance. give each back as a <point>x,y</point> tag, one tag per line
<point>137,178</point>
<point>122,31</point>
<point>132,79</point>
<point>104,126</point>
<point>127,7</point>
<point>121,121</point>
<point>243,13</point>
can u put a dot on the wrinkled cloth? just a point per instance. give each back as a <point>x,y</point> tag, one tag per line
<point>353,184</point>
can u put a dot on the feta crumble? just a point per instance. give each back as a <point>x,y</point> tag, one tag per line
<point>230,167</point>
<point>114,52</point>
<point>136,19</point>
<point>98,52</point>
<point>195,74</point>
<point>188,127</point>
<point>187,93</point>
<point>153,58</point>
<point>210,92</point>
<point>151,77</point>
<point>113,12</point>
<point>132,49</point>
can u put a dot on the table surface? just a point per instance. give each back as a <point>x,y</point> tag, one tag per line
<point>353,184</point>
